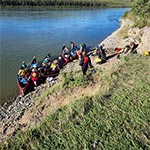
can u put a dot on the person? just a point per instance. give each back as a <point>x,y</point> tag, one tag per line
<point>35,76</point>
<point>82,48</point>
<point>23,81</point>
<point>73,50</point>
<point>72,45</point>
<point>23,70</point>
<point>64,50</point>
<point>54,65</point>
<point>126,48</point>
<point>23,65</point>
<point>101,53</point>
<point>48,56</point>
<point>133,47</point>
<point>81,51</point>
<point>33,60</point>
<point>46,62</point>
<point>61,62</point>
<point>65,53</point>
<point>85,62</point>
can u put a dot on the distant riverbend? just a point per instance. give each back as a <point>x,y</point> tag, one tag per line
<point>24,34</point>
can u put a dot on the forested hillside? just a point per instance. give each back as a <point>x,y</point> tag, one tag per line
<point>74,3</point>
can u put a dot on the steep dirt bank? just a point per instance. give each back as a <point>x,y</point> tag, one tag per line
<point>30,110</point>
<point>126,34</point>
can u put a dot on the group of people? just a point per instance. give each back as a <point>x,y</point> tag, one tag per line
<point>38,72</point>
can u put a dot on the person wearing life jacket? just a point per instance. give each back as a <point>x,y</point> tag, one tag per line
<point>101,53</point>
<point>61,62</point>
<point>34,63</point>
<point>64,50</point>
<point>82,47</point>
<point>54,65</point>
<point>65,53</point>
<point>23,70</point>
<point>23,65</point>
<point>48,57</point>
<point>81,52</point>
<point>34,76</point>
<point>85,62</point>
<point>73,50</point>
<point>46,62</point>
<point>126,48</point>
<point>42,74</point>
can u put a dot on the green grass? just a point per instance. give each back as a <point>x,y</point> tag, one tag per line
<point>140,13</point>
<point>115,118</point>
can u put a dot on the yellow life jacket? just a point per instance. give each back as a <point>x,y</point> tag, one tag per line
<point>22,72</point>
<point>53,66</point>
<point>98,60</point>
<point>147,53</point>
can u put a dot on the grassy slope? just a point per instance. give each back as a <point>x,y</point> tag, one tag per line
<point>140,13</point>
<point>116,117</point>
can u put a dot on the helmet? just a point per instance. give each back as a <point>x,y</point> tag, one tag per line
<point>35,65</point>
<point>34,74</point>
<point>45,60</point>
<point>22,66</point>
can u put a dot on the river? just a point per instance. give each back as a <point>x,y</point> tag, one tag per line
<point>28,33</point>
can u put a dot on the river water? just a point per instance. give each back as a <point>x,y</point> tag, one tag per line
<point>28,33</point>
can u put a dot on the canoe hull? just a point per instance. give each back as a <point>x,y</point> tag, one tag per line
<point>24,89</point>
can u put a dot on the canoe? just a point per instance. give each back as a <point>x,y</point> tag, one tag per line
<point>53,73</point>
<point>24,87</point>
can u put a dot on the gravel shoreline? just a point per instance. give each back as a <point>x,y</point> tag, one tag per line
<point>12,113</point>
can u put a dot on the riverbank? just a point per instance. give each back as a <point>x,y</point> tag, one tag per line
<point>126,34</point>
<point>32,109</point>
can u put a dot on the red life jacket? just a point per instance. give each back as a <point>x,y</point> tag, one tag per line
<point>86,60</point>
<point>118,49</point>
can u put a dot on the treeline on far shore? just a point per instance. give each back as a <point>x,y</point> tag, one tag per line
<point>75,3</point>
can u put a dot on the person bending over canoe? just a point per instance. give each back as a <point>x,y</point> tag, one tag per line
<point>81,51</point>
<point>101,53</point>
<point>65,53</point>
<point>85,62</point>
